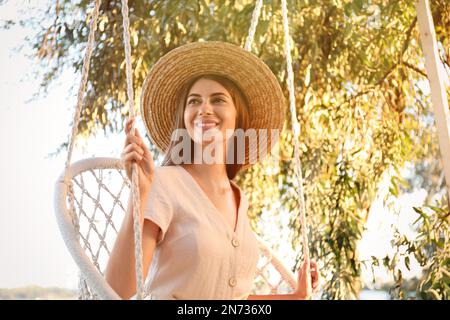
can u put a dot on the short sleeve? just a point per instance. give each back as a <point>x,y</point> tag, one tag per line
<point>158,207</point>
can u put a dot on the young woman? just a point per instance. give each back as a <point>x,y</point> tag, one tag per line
<point>196,238</point>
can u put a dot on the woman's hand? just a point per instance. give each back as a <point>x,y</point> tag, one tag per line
<point>136,151</point>
<point>308,280</point>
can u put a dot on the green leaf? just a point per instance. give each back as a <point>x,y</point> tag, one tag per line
<point>348,9</point>
<point>357,6</point>
<point>386,261</point>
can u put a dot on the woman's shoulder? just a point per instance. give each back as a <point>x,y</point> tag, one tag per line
<point>165,183</point>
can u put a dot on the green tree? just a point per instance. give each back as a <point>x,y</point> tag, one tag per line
<point>358,95</point>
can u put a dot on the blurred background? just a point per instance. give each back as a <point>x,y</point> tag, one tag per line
<point>376,196</point>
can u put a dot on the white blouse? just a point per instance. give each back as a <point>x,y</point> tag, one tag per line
<point>198,255</point>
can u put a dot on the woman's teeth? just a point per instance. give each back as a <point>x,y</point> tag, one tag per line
<point>206,125</point>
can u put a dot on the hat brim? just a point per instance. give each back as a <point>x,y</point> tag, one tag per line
<point>171,72</point>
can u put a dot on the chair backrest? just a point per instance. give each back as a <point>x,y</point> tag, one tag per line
<point>89,222</point>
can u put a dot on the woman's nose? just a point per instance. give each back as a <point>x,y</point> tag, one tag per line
<point>205,108</point>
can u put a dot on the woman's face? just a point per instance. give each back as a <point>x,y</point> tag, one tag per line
<point>209,111</point>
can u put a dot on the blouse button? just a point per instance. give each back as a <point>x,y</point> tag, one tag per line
<point>235,242</point>
<point>232,282</point>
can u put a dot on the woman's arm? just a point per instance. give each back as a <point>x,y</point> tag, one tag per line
<point>120,272</point>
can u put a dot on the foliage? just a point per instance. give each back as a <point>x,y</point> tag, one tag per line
<point>430,249</point>
<point>359,98</point>
<point>433,251</point>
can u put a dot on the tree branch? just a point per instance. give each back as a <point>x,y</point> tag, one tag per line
<point>410,66</point>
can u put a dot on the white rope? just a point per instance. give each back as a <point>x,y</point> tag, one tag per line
<point>296,129</point>
<point>295,123</point>
<point>134,169</point>
<point>76,120</point>
<point>83,82</point>
<point>80,103</point>
<point>253,25</point>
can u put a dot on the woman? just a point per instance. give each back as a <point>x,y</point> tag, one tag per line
<point>196,238</point>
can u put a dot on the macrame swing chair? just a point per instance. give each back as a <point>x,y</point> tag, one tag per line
<point>90,193</point>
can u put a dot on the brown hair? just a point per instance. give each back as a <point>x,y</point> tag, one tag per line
<point>242,121</point>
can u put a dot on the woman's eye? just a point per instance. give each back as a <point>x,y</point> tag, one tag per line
<point>192,101</point>
<point>219,100</point>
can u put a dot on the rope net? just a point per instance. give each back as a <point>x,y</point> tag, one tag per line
<point>99,205</point>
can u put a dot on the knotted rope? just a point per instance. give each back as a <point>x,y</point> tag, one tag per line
<point>76,120</point>
<point>296,130</point>
<point>134,168</point>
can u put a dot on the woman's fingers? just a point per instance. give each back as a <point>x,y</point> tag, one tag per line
<point>313,265</point>
<point>304,273</point>
<point>315,276</point>
<point>314,279</point>
<point>304,289</point>
<point>132,156</point>
<point>135,138</point>
<point>307,264</point>
<point>133,147</point>
<point>141,143</point>
<point>308,279</point>
<point>132,139</point>
<point>130,122</point>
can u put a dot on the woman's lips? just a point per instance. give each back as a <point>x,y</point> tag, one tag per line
<point>206,125</point>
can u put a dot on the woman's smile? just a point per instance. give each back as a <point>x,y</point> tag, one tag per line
<point>205,124</point>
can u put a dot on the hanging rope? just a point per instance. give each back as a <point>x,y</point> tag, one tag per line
<point>134,168</point>
<point>296,129</point>
<point>253,25</point>
<point>83,81</point>
<point>76,120</point>
<point>295,123</point>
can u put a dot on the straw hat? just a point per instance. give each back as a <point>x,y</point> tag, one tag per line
<point>162,85</point>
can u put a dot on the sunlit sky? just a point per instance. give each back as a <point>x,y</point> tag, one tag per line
<point>32,251</point>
